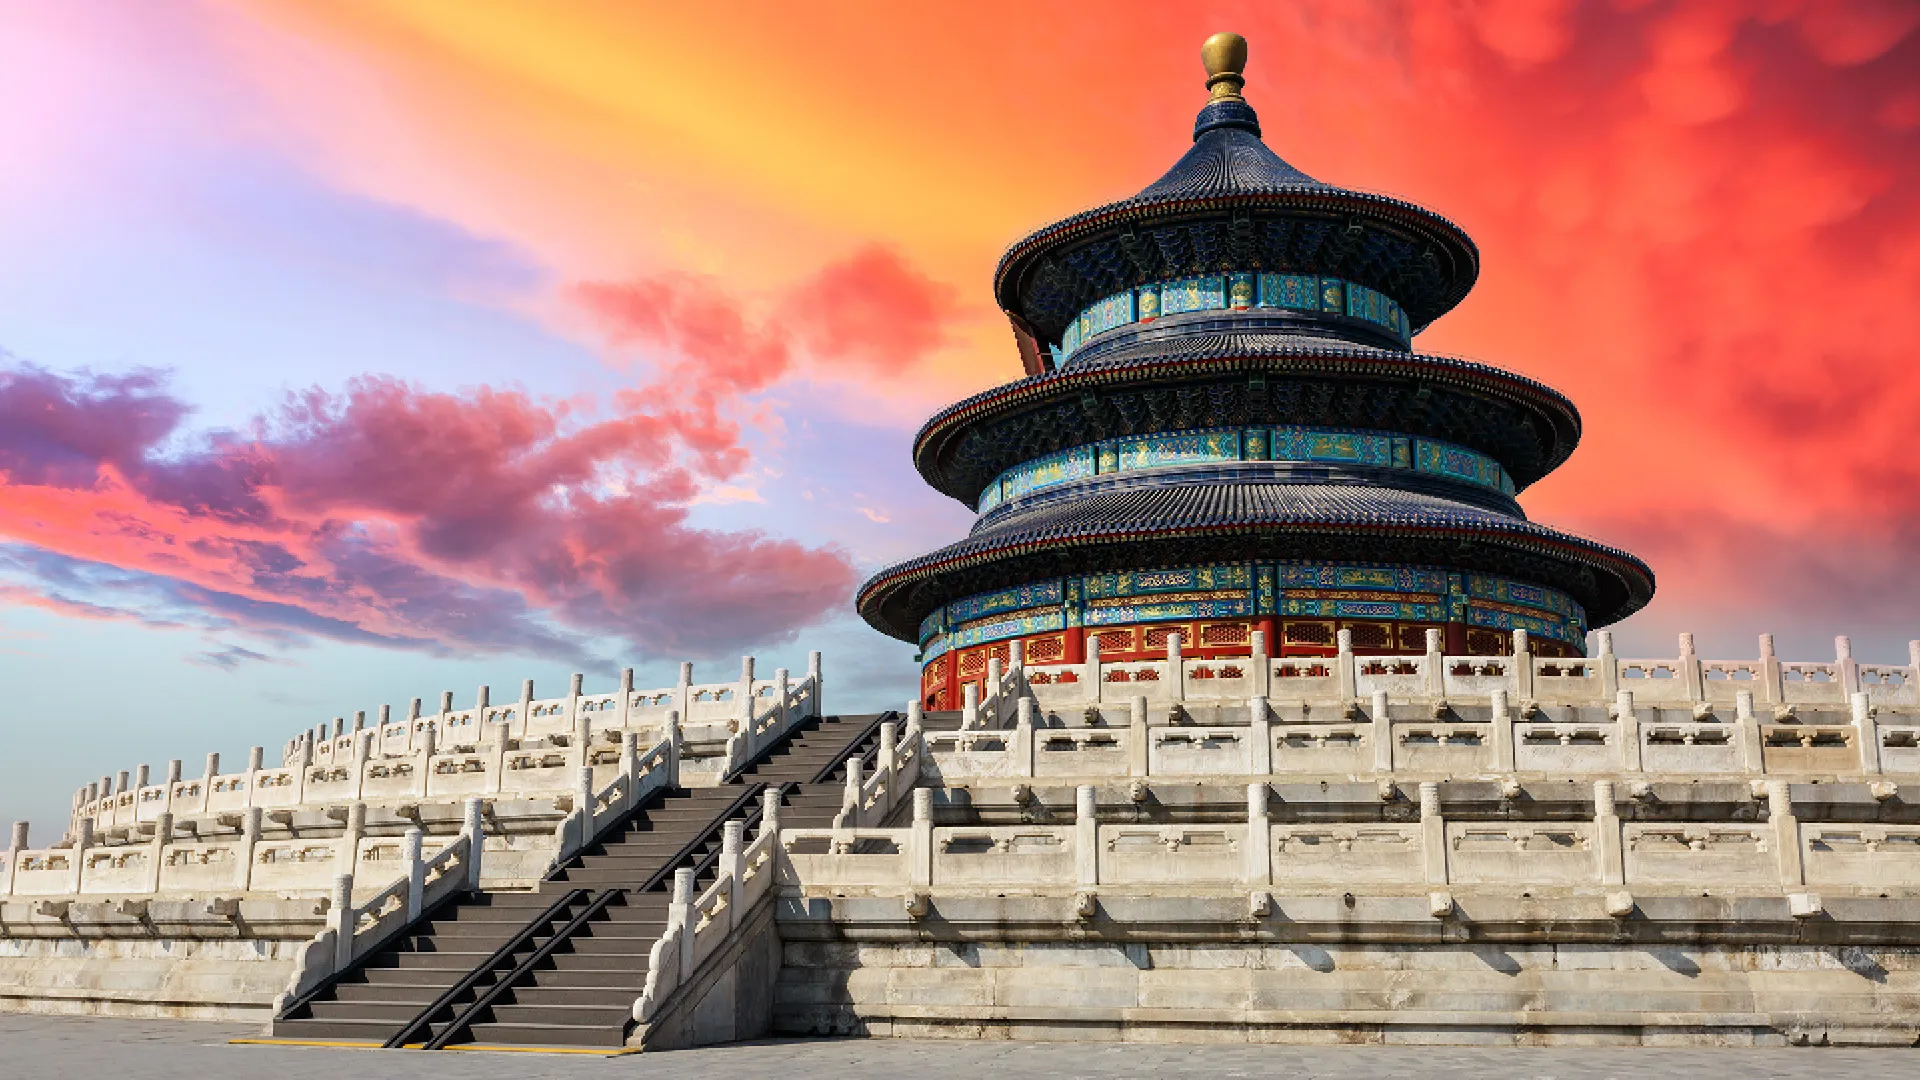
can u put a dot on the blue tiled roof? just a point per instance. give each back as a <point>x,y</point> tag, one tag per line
<point>1554,422</point>
<point>1619,583</point>
<point>1229,167</point>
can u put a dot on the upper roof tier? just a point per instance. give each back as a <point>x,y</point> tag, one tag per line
<point>1232,205</point>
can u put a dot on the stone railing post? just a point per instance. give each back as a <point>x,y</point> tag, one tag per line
<point>1176,668</point>
<point>626,697</point>
<point>340,919</point>
<point>428,745</point>
<point>163,835</point>
<point>357,761</point>
<point>770,811</point>
<point>1608,842</point>
<point>1017,665</point>
<point>1259,736</point>
<point>82,841</point>
<point>1259,836</point>
<point>1503,751</point>
<point>1090,669</point>
<point>1434,665</point>
<point>1608,663</point>
<point>1023,737</point>
<point>249,840</point>
<point>1913,662</point>
<point>970,706</point>
<point>733,865</point>
<point>524,712</point>
<point>579,723</point>
<point>1344,669</point>
<point>410,849</point>
<point>1689,661</point>
<point>1773,679</point>
<point>782,707</point>
<point>992,706</point>
<point>15,845</point>
<point>173,774</point>
<point>347,858</point>
<point>473,827</point>
<point>1382,733</point>
<point>1086,835</point>
<point>206,785</point>
<point>1262,665</point>
<point>674,739</point>
<point>414,727</point>
<point>1627,723</point>
<point>1867,731</point>
<point>813,673</point>
<point>683,692</point>
<point>1139,749</point>
<point>920,851</point>
<point>849,817</point>
<point>629,769</point>
<point>1433,833</point>
<point>1523,667</point>
<point>583,806</point>
<point>680,913</point>
<point>743,703</point>
<point>887,766</point>
<point>1786,834</point>
<point>1747,730</point>
<point>1849,667</point>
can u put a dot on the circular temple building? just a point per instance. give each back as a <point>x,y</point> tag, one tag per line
<point>1224,428</point>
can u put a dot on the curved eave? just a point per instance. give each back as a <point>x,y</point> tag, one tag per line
<point>1448,241</point>
<point>938,433</point>
<point>1633,578</point>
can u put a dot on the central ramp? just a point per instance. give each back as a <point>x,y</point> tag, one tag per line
<point>561,966</point>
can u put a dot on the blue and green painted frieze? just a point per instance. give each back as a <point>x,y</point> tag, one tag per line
<point>1239,291</point>
<point>1246,590</point>
<point>1337,446</point>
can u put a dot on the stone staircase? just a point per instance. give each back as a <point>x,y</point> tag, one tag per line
<point>562,965</point>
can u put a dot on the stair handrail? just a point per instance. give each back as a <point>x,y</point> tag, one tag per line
<point>423,886</point>
<point>791,704</point>
<point>464,1019</point>
<point>747,872</point>
<point>424,1017</point>
<point>874,790</point>
<point>596,811</point>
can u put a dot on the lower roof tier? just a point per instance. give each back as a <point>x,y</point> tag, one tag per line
<point>1200,378</point>
<point>1195,524</point>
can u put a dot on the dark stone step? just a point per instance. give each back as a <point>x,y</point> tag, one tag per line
<point>587,978</point>
<point>373,1031</point>
<point>391,1013</point>
<point>634,964</point>
<point>606,996</point>
<point>585,1016</point>
<point>498,1034</point>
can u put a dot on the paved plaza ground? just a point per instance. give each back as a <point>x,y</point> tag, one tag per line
<point>37,1047</point>
<point>33,1048</point>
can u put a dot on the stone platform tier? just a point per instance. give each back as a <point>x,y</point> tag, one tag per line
<point>200,897</point>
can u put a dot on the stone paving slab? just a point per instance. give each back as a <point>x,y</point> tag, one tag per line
<point>65,1048</point>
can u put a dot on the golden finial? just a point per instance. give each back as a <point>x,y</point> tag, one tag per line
<point>1226,57</point>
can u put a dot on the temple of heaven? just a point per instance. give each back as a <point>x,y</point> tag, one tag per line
<point>1224,428</point>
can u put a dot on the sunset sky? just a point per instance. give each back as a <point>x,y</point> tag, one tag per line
<point>350,352</point>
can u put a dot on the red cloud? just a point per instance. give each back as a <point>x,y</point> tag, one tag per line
<point>483,520</point>
<point>871,311</point>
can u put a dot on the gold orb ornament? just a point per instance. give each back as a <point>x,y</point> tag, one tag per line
<point>1225,56</point>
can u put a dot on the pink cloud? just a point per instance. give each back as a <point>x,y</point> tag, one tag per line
<point>484,519</point>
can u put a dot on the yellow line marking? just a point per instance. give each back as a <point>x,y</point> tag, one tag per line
<point>491,1049</point>
<point>338,1044</point>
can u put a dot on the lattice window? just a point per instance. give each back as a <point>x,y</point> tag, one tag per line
<point>1308,633</point>
<point>1115,641</point>
<point>1157,636</point>
<point>1369,636</point>
<point>1487,643</point>
<point>1046,649</point>
<point>1218,634</point>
